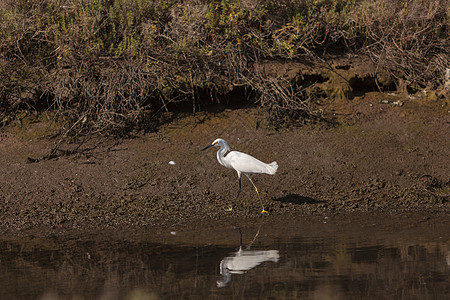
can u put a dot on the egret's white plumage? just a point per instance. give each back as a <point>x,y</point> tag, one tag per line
<point>242,163</point>
<point>245,163</point>
<point>244,260</point>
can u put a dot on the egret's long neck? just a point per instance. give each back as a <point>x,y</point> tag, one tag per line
<point>221,156</point>
<point>224,272</point>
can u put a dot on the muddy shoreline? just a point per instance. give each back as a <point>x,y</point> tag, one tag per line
<point>380,158</point>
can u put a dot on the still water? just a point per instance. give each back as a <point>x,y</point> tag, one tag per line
<point>255,266</point>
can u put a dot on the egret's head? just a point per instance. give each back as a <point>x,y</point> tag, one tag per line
<point>218,143</point>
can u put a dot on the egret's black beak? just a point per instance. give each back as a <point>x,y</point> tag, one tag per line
<point>207,147</point>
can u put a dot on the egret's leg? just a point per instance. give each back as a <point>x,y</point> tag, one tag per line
<point>234,202</point>
<point>257,193</point>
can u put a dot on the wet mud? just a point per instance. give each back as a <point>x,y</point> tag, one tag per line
<point>378,157</point>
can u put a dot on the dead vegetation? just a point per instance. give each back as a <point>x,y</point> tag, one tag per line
<point>411,40</point>
<point>109,66</point>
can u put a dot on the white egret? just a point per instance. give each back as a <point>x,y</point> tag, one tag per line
<point>243,164</point>
<point>242,261</point>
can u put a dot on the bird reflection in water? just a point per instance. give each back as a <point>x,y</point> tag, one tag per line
<point>242,261</point>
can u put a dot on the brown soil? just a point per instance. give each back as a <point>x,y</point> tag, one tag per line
<point>386,154</point>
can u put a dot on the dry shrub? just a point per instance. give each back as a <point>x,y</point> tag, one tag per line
<point>408,38</point>
<point>285,102</point>
<point>106,96</point>
<point>105,63</point>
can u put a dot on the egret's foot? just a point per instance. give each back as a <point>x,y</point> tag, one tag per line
<point>264,211</point>
<point>229,209</point>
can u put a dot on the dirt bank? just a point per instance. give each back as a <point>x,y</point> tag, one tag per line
<point>380,157</point>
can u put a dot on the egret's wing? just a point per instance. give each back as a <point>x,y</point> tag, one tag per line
<point>248,259</point>
<point>248,164</point>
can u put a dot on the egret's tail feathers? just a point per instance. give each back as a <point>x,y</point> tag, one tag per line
<point>273,255</point>
<point>272,167</point>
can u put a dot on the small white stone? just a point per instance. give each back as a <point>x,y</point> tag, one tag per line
<point>171,162</point>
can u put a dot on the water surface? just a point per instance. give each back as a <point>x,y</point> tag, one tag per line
<point>251,264</point>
